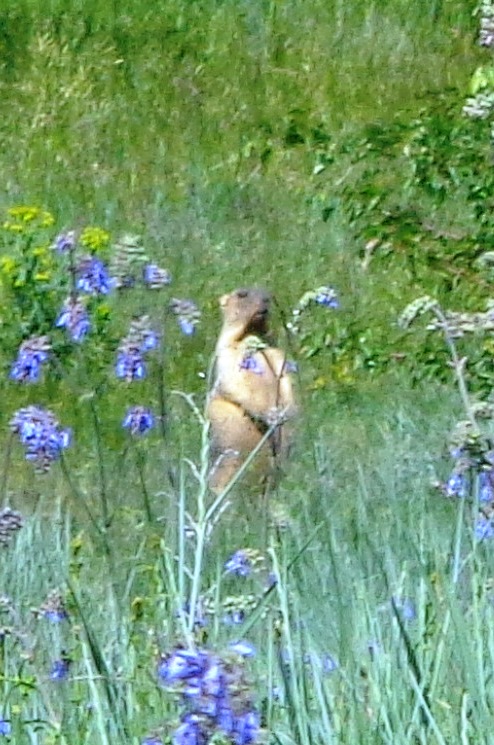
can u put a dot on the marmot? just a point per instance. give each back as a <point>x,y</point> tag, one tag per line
<point>252,389</point>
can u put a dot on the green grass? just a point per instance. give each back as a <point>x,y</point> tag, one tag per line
<point>198,125</point>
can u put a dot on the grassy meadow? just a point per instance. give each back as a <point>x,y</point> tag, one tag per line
<point>289,144</point>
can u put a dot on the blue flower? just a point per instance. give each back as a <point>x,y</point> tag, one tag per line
<point>92,277</point>
<point>187,313</point>
<point>155,277</point>
<point>246,728</point>
<point>39,432</point>
<point>182,664</point>
<point>239,564</point>
<point>130,364</point>
<point>190,732</point>
<point>486,486</point>
<point>252,364</point>
<point>456,485</point>
<point>60,669</point>
<point>138,420</point>
<point>74,318</point>
<point>327,297</point>
<point>32,353</point>
<point>234,617</point>
<point>5,727</point>
<point>484,528</point>
<point>64,242</point>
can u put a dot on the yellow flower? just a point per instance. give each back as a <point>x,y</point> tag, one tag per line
<point>40,252</point>
<point>25,214</point>
<point>13,227</point>
<point>95,239</point>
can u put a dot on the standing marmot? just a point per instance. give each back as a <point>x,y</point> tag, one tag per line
<point>252,389</point>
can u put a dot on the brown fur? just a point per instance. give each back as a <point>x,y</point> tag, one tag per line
<point>243,403</point>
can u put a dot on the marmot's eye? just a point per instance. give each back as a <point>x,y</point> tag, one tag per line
<point>242,293</point>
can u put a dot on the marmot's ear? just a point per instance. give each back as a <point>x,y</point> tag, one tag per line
<point>223,300</point>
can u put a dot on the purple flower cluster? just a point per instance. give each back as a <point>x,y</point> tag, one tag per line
<point>130,358</point>
<point>92,277</point>
<point>53,609</point>
<point>155,278</point>
<point>474,469</point>
<point>41,435</point>
<point>65,242</point>
<point>74,318</point>
<point>214,693</point>
<point>138,420</point>
<point>188,315</point>
<point>32,353</point>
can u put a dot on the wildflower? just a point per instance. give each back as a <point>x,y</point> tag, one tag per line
<point>95,239</point>
<point>252,364</point>
<point>327,297</point>
<point>246,728</point>
<point>130,364</point>
<point>39,432</point>
<point>60,669</point>
<point>456,485</point>
<point>10,522</point>
<point>74,318</point>
<point>484,528</point>
<point>64,242</point>
<point>127,253</point>
<point>92,277</point>
<point>155,278</point>
<point>182,664</point>
<point>53,609</point>
<point>5,727</point>
<point>190,732</point>
<point>239,564</point>
<point>138,420</point>
<point>187,313</point>
<point>32,353</point>
<point>486,486</point>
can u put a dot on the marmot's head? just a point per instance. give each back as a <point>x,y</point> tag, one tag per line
<point>248,307</point>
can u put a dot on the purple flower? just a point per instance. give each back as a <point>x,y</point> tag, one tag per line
<point>74,318</point>
<point>252,364</point>
<point>64,242</point>
<point>246,728</point>
<point>138,420</point>
<point>155,278</point>
<point>187,313</point>
<point>486,486</point>
<point>484,528</point>
<point>239,564</point>
<point>32,353</point>
<point>130,364</point>
<point>92,277</point>
<point>60,669</point>
<point>182,664</point>
<point>456,485</point>
<point>152,740</point>
<point>39,432</point>
<point>5,727</point>
<point>190,732</point>
<point>327,297</point>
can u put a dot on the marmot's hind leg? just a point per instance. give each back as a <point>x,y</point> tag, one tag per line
<point>233,437</point>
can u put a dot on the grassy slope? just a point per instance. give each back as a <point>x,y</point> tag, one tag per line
<point>193,123</point>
